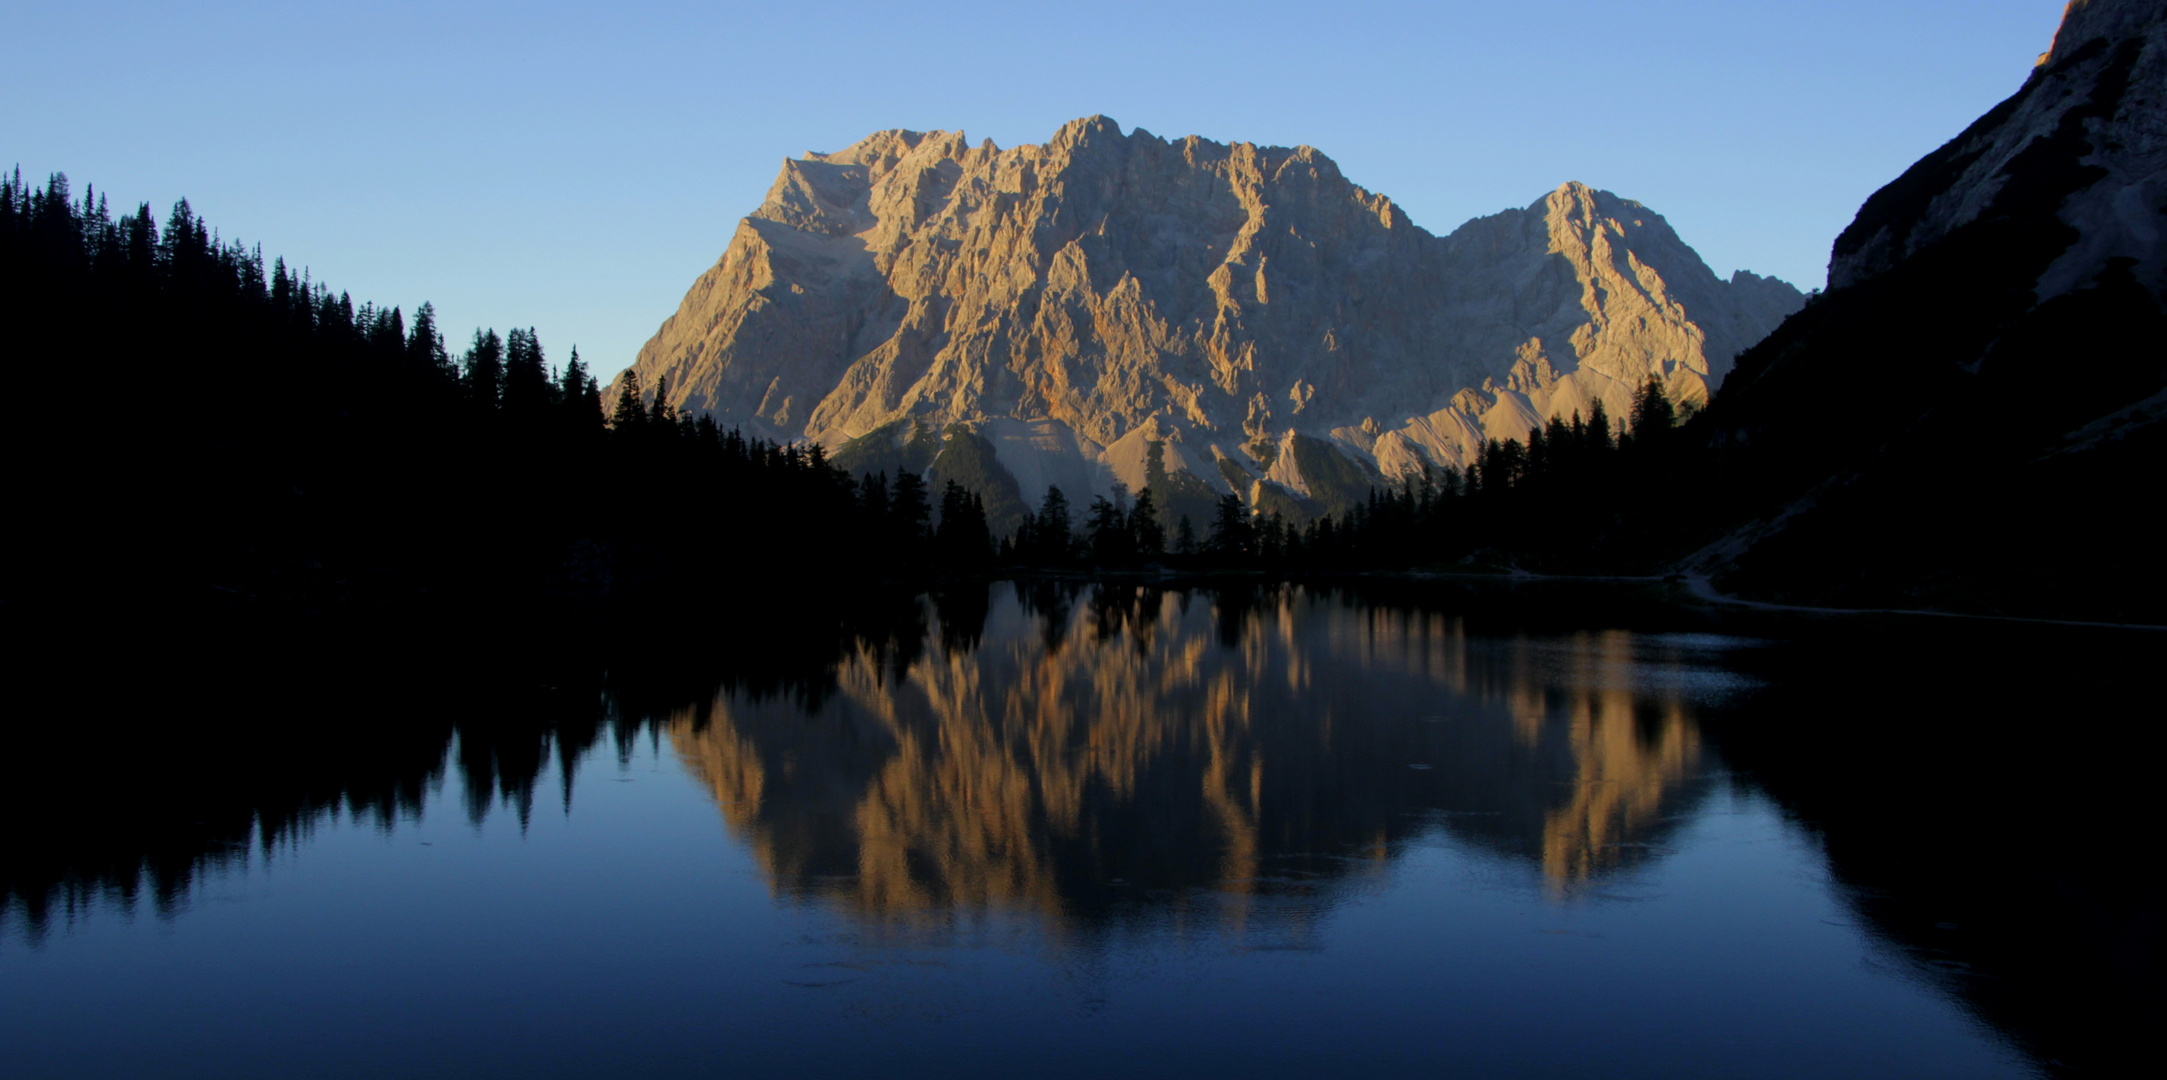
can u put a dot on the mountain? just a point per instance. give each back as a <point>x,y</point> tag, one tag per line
<point>1971,416</point>
<point>1046,314</point>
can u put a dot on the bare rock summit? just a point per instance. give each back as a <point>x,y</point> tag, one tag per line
<point>1248,309</point>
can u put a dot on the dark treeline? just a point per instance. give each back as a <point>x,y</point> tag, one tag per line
<point>1570,498</point>
<point>196,429</point>
<point>291,544</point>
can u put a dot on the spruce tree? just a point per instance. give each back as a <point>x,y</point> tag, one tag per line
<point>628,416</point>
<point>282,290</point>
<point>1653,414</point>
<point>981,531</point>
<point>1231,537</point>
<point>873,504</point>
<point>142,244</point>
<point>484,370</point>
<point>962,541</point>
<point>1563,446</point>
<point>1538,454</point>
<point>1107,532</point>
<point>660,415</point>
<point>1271,538</point>
<point>1598,438</point>
<point>582,395</point>
<point>1053,534</point>
<point>526,375</point>
<point>579,398</point>
<point>952,509</point>
<point>1146,534</point>
<point>909,516</point>
<point>572,387</point>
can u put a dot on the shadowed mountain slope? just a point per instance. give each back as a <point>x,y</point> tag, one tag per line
<point>1970,418</point>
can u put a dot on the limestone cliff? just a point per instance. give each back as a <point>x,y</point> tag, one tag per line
<point>1072,302</point>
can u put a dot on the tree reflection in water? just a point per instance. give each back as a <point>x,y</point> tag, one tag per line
<point>1228,759</point>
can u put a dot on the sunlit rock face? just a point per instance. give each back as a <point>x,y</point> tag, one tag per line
<point>1075,300</point>
<point>1141,751</point>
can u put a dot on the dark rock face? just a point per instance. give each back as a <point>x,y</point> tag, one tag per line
<point>1970,417</point>
<point>2089,128</point>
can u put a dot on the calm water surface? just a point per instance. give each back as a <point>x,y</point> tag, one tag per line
<point>1072,833</point>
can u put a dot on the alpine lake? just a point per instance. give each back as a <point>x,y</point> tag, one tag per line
<point>1054,829</point>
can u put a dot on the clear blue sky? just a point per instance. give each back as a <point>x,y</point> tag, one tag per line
<point>574,166</point>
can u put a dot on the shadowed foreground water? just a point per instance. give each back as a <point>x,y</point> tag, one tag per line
<point>1055,830</point>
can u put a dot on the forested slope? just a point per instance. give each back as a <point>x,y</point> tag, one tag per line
<point>300,453</point>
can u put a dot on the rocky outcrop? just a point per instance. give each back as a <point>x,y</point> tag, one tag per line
<point>1971,417</point>
<point>1082,299</point>
<point>2089,126</point>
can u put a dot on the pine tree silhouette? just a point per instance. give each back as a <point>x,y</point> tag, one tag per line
<point>909,517</point>
<point>483,370</point>
<point>526,375</point>
<point>661,417</point>
<point>1231,536</point>
<point>1107,533</point>
<point>1653,414</point>
<point>628,416</point>
<point>1147,535</point>
<point>962,541</point>
<point>1599,437</point>
<point>1053,537</point>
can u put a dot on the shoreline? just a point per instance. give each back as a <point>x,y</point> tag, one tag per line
<point>1698,586</point>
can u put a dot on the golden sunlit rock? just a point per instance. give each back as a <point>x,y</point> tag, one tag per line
<point>1129,741</point>
<point>1075,300</point>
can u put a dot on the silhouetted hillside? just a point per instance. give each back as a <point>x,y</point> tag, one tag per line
<point>1969,418</point>
<point>302,454</point>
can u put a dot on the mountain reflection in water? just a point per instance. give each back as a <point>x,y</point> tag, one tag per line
<point>1091,756</point>
<point>1834,834</point>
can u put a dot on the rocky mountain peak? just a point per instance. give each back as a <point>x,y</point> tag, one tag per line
<point>2087,21</point>
<point>1070,303</point>
<point>2096,105</point>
